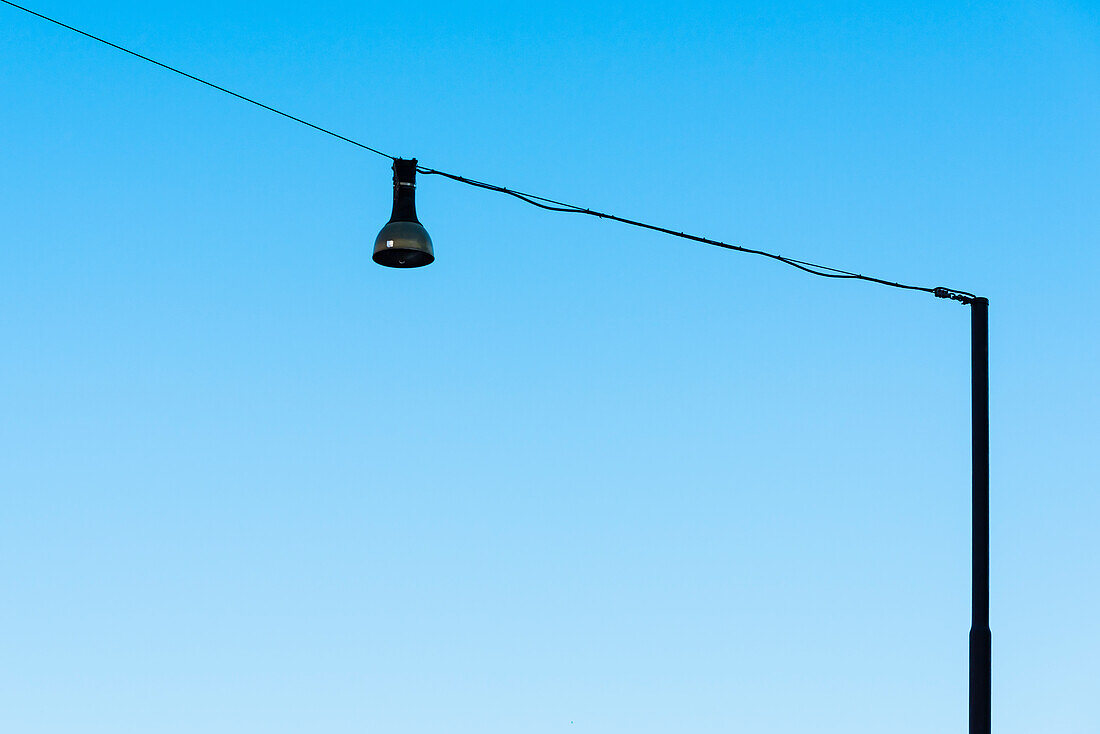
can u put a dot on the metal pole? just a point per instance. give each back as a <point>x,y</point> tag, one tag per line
<point>981,639</point>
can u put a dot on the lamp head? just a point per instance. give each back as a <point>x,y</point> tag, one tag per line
<point>403,242</point>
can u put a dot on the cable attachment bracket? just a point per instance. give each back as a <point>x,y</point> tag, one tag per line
<point>960,296</point>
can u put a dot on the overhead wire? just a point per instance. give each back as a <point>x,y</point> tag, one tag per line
<point>197,79</point>
<point>823,271</point>
<point>542,202</point>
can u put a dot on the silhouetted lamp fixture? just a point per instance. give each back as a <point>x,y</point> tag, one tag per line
<point>403,242</point>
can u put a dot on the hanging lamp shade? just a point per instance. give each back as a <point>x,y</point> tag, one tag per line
<point>403,242</point>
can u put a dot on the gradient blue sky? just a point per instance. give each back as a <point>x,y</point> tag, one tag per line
<point>573,477</point>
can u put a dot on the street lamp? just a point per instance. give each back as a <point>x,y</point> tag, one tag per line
<point>404,243</point>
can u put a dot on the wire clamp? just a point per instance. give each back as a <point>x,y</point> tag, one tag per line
<point>953,295</point>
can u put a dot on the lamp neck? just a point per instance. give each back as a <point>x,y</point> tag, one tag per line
<point>404,190</point>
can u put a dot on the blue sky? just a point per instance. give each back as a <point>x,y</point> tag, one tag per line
<point>573,477</point>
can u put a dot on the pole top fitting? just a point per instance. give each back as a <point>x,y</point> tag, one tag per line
<point>961,296</point>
